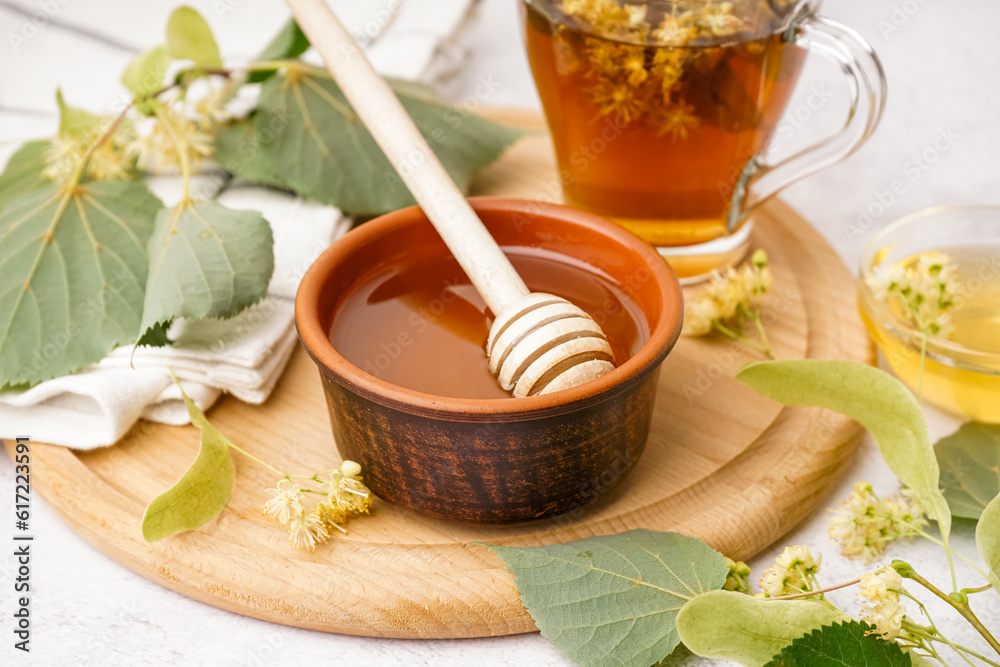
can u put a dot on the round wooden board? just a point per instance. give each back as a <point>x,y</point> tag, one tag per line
<point>722,463</point>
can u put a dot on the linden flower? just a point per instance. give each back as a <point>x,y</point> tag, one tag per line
<point>676,30</point>
<point>923,291</point>
<point>307,530</point>
<point>174,140</point>
<point>636,15</point>
<point>113,160</point>
<point>736,292</point>
<point>736,580</point>
<point>346,495</point>
<point>668,64</point>
<point>865,523</point>
<point>598,13</point>
<point>800,559</point>
<point>677,121</point>
<point>285,502</point>
<point>604,59</point>
<point>700,317</point>
<point>719,20</point>
<point>345,498</point>
<point>635,66</point>
<point>616,99</point>
<point>793,572</point>
<point>881,590</point>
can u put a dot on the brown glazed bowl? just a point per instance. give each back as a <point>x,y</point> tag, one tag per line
<point>492,460</point>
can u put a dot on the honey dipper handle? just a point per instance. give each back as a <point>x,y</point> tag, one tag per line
<point>394,131</point>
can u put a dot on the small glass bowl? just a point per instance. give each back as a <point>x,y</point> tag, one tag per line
<point>961,372</point>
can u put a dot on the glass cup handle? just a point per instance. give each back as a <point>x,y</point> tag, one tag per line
<point>759,181</point>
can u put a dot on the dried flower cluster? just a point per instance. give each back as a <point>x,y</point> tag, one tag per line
<point>793,572</point>
<point>345,498</point>
<point>632,67</point>
<point>882,609</point>
<point>731,300</point>
<point>922,290</point>
<point>865,523</point>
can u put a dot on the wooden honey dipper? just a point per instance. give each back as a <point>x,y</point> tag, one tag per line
<point>539,343</point>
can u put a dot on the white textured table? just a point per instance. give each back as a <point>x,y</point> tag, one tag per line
<point>941,62</point>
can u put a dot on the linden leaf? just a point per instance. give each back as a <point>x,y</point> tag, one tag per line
<point>849,643</point>
<point>880,402</point>
<point>190,38</point>
<point>155,336</point>
<point>144,74</point>
<point>201,493</point>
<point>75,122</point>
<point>614,599</point>
<point>291,42</point>
<point>970,468</point>
<point>72,276</point>
<point>23,173</point>
<point>988,540</point>
<point>305,137</point>
<point>205,260</point>
<point>748,630</point>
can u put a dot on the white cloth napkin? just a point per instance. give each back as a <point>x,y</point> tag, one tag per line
<point>246,355</point>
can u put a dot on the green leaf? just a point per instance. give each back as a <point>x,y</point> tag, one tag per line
<point>155,336</point>
<point>75,122</point>
<point>970,468</point>
<point>748,630</point>
<point>72,276</point>
<point>201,493</point>
<point>23,173</point>
<point>144,74</point>
<point>291,42</point>
<point>305,137</point>
<point>880,402</point>
<point>613,600</point>
<point>849,643</point>
<point>190,38</point>
<point>206,261</point>
<point>988,540</point>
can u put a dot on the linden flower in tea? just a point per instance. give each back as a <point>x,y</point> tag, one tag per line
<point>632,66</point>
<point>922,290</point>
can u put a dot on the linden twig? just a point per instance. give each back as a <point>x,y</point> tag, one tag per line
<point>906,571</point>
<point>820,592</point>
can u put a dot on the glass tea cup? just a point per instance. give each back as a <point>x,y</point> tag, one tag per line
<point>661,111</point>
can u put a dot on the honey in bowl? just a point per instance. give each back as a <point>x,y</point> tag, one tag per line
<point>418,322</point>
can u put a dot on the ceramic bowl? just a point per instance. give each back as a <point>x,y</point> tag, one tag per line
<point>493,460</point>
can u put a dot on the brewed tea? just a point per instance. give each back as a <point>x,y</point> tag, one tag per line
<point>420,324</point>
<point>655,109</point>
